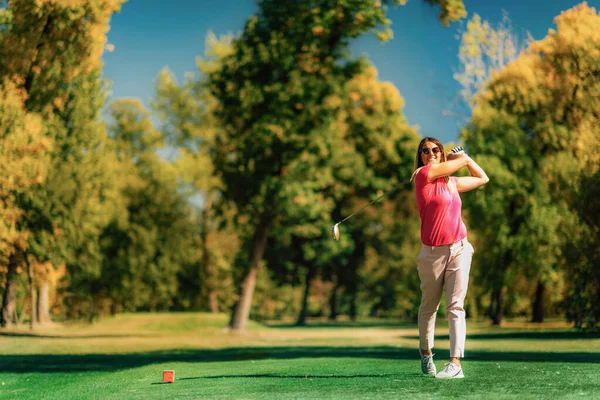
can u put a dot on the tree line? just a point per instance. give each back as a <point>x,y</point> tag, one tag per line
<point>226,204</point>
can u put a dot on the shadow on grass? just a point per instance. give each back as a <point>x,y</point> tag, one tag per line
<point>35,335</point>
<point>349,324</point>
<point>278,376</point>
<point>115,362</point>
<point>524,335</point>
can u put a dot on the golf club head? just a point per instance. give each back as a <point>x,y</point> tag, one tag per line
<point>335,231</point>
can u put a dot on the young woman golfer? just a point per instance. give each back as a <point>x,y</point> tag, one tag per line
<point>445,257</point>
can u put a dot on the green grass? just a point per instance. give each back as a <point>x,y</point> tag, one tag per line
<point>123,358</point>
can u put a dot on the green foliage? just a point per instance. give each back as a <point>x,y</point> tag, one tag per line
<point>583,291</point>
<point>146,248</point>
<point>132,129</point>
<point>190,127</point>
<point>144,255</point>
<point>273,91</point>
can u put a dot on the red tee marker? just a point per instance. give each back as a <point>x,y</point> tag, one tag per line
<point>168,376</point>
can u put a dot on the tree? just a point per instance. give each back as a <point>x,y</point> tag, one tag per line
<point>383,145</point>
<point>531,124</point>
<point>52,50</point>
<point>583,288</point>
<point>23,164</point>
<point>484,50</point>
<point>146,248</point>
<point>569,60</point>
<point>290,57</point>
<point>190,128</point>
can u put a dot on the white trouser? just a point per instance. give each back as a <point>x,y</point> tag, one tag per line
<point>440,266</point>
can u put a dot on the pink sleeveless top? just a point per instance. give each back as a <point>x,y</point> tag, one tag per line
<point>441,222</point>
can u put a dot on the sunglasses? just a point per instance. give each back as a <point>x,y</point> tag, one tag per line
<point>425,150</point>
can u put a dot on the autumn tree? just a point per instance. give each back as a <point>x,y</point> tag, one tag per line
<point>535,127</point>
<point>484,50</point>
<point>23,165</point>
<point>52,50</point>
<point>373,153</point>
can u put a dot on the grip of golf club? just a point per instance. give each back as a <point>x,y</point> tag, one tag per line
<point>459,150</point>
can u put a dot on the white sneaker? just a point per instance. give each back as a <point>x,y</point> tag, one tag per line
<point>427,365</point>
<point>450,371</point>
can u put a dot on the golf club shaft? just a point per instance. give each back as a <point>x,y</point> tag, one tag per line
<point>366,205</point>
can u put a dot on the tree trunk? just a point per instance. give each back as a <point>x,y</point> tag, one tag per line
<point>537,314</point>
<point>499,290</point>
<point>310,274</point>
<point>21,317</point>
<point>375,309</point>
<point>333,303</point>
<point>241,311</point>
<point>32,321</point>
<point>9,298</point>
<point>353,307</point>
<point>498,310</point>
<point>208,291</point>
<point>213,302</point>
<point>43,303</point>
<point>114,308</point>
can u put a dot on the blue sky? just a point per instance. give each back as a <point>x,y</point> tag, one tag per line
<point>421,59</point>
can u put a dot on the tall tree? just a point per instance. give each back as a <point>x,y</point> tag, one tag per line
<point>52,50</point>
<point>187,120</point>
<point>23,165</point>
<point>532,122</point>
<point>382,158</point>
<point>147,247</point>
<point>290,57</point>
<point>485,50</point>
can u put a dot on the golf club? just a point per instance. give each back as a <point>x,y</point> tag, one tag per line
<point>335,230</point>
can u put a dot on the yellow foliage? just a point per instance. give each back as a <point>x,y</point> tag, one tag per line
<point>75,30</point>
<point>554,89</point>
<point>23,162</point>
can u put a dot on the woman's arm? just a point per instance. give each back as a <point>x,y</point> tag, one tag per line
<point>454,163</point>
<point>477,179</point>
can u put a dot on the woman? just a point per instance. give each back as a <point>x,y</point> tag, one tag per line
<point>445,257</point>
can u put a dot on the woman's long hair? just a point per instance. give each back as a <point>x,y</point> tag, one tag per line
<point>419,159</point>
